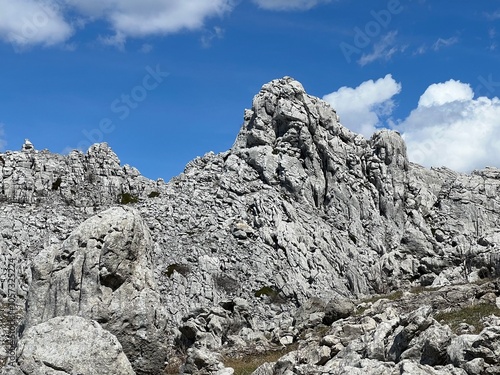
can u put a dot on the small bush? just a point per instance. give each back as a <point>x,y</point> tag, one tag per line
<point>179,268</point>
<point>471,315</point>
<point>127,198</point>
<point>153,194</point>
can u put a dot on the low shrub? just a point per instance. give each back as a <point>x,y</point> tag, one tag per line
<point>127,198</point>
<point>472,315</point>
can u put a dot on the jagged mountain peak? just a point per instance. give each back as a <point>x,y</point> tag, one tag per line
<point>296,140</point>
<point>299,210</point>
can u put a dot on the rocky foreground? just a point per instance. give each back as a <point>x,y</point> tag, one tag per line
<point>302,238</point>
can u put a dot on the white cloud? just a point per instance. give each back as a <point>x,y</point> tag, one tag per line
<point>127,18</point>
<point>450,128</point>
<point>441,43</point>
<point>289,4</point>
<point>146,48</point>
<point>28,22</point>
<point>361,108</point>
<point>210,35</point>
<point>439,94</point>
<point>382,50</point>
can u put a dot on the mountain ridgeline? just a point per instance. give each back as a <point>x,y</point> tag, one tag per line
<point>244,252</point>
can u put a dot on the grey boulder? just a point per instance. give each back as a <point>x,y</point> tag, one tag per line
<point>71,345</point>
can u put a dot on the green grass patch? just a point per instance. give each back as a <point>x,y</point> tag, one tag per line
<point>153,194</point>
<point>471,315</point>
<point>423,289</point>
<point>249,363</point>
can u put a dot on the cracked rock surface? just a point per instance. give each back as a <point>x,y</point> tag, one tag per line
<point>229,254</point>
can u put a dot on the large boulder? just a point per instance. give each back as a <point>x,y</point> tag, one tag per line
<point>71,345</point>
<point>103,271</point>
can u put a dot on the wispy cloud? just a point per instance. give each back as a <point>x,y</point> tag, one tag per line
<point>492,33</point>
<point>382,50</point>
<point>420,50</point>
<point>118,40</point>
<point>289,5</point>
<point>443,43</point>
<point>3,142</point>
<point>210,35</point>
<point>493,16</point>
<point>146,48</point>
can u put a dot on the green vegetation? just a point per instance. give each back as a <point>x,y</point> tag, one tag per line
<point>127,198</point>
<point>471,315</point>
<point>153,194</point>
<point>423,289</point>
<point>248,364</point>
<point>179,268</point>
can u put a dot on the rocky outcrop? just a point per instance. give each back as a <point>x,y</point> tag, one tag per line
<point>71,345</point>
<point>80,180</point>
<point>414,333</point>
<point>234,249</point>
<point>103,272</point>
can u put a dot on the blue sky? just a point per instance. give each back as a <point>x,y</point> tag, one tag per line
<point>164,81</point>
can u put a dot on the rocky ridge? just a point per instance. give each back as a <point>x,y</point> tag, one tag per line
<point>299,208</point>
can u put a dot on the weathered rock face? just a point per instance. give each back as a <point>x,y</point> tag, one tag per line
<point>299,208</point>
<point>103,272</point>
<point>71,345</point>
<point>80,180</point>
<point>403,336</point>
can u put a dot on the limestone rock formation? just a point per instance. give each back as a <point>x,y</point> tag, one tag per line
<point>103,272</point>
<point>410,334</point>
<point>71,345</point>
<point>232,253</point>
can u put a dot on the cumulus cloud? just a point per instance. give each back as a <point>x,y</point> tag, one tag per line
<point>289,4</point>
<point>362,109</point>
<point>439,94</point>
<point>28,22</point>
<point>127,18</point>
<point>450,128</point>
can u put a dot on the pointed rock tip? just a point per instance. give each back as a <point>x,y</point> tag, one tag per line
<point>286,83</point>
<point>27,146</point>
<point>103,150</point>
